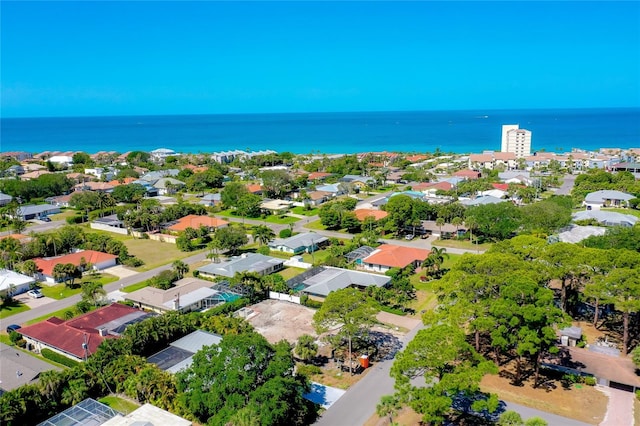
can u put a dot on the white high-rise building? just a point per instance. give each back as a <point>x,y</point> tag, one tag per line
<point>516,140</point>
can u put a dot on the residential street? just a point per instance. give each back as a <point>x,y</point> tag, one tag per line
<point>70,301</point>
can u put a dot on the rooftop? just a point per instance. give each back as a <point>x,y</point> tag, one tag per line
<point>396,256</point>
<point>248,262</point>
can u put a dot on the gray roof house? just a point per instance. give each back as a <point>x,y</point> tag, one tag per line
<point>248,262</point>
<point>306,242</point>
<point>606,218</point>
<point>323,280</point>
<point>19,369</point>
<point>33,211</point>
<point>5,199</point>
<point>179,354</point>
<point>487,199</point>
<point>606,198</point>
<point>167,185</point>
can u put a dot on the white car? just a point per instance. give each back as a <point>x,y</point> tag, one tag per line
<point>36,294</point>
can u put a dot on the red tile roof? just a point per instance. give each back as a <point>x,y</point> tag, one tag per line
<point>470,174</point>
<point>68,336</point>
<point>318,175</point>
<point>396,256</point>
<point>361,214</point>
<point>195,222</point>
<point>501,186</point>
<point>254,188</point>
<point>416,158</point>
<point>46,265</point>
<point>444,186</point>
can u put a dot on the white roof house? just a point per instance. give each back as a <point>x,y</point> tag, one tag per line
<point>14,283</point>
<point>305,242</point>
<point>328,279</point>
<point>606,218</point>
<point>179,354</point>
<point>189,294</point>
<point>606,198</point>
<point>248,262</point>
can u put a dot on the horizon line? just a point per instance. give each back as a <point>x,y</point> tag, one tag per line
<point>316,112</point>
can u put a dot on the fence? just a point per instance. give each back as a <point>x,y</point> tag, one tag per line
<point>285,297</point>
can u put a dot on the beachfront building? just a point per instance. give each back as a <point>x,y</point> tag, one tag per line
<point>516,140</point>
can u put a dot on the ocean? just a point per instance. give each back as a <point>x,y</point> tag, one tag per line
<point>554,130</point>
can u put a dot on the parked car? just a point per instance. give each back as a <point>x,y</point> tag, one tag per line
<point>45,219</point>
<point>13,327</point>
<point>409,237</point>
<point>35,293</point>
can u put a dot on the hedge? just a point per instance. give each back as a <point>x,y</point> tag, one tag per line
<point>59,358</point>
<point>227,308</point>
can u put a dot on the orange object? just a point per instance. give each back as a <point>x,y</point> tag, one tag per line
<point>364,361</point>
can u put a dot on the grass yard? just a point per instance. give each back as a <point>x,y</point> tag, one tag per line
<point>61,291</point>
<point>11,308</point>
<point>119,404</point>
<point>59,314</point>
<point>425,298</point>
<point>337,378</point>
<point>305,212</point>
<point>133,287</point>
<point>583,403</point>
<point>461,244</point>
<point>315,225</point>
<point>281,220</point>
<point>319,256</point>
<point>64,214</point>
<point>288,273</point>
<point>155,253</point>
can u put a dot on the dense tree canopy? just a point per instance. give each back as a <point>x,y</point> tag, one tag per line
<point>245,371</point>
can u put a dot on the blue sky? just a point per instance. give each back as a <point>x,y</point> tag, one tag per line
<point>125,58</point>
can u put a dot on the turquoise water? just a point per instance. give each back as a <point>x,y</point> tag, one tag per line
<point>229,297</point>
<point>417,131</point>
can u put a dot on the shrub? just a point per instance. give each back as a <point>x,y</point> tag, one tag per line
<point>308,369</point>
<point>310,303</point>
<point>133,262</point>
<point>590,381</point>
<point>73,220</point>
<point>14,336</point>
<point>56,357</point>
<point>229,307</point>
<point>638,394</point>
<point>285,233</point>
<point>265,250</point>
<point>196,273</point>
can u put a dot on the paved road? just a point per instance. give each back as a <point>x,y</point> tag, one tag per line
<point>567,185</point>
<point>359,403</point>
<point>38,226</point>
<point>42,310</point>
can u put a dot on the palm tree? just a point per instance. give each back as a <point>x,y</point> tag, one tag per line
<point>440,223</point>
<point>471,223</point>
<point>180,268</point>
<point>436,257</point>
<point>456,221</point>
<point>263,234</point>
<point>388,406</point>
<point>93,292</point>
<point>54,240</point>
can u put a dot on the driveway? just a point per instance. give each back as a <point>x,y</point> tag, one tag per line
<point>120,271</point>
<point>31,302</point>
<point>620,408</point>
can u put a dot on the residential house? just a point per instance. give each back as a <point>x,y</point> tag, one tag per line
<point>254,188</point>
<point>389,256</point>
<point>17,155</point>
<point>315,198</point>
<point>19,370</point>
<point>188,294</point>
<point>101,173</point>
<point>481,200</point>
<point>32,211</point>
<point>152,177</point>
<point>334,188</point>
<point>606,218</point>
<point>318,282</point>
<point>12,283</point>
<point>34,175</point>
<point>60,200</point>
<point>318,176</point>
<point>358,181</point>
<point>301,243</point>
<point>15,170</point>
<point>210,200</point>
<point>606,198</point>
<point>109,223</point>
<point>468,174</point>
<point>98,261</point>
<point>148,415</point>
<point>21,238</point>
<point>159,155</point>
<point>248,262</point>
<point>5,199</point>
<point>179,354</point>
<point>491,160</point>
<point>195,222</point>
<point>276,206</point>
<point>94,186</point>
<point>168,186</point>
<point>79,338</point>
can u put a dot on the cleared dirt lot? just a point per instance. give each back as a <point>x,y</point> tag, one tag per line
<point>277,320</point>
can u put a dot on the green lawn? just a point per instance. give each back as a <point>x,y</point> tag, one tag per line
<point>315,225</point>
<point>289,273</point>
<point>305,212</point>
<point>133,287</point>
<point>119,404</point>
<point>59,314</point>
<point>155,253</point>
<point>61,291</point>
<point>12,308</point>
<point>280,220</point>
<point>64,214</point>
<point>425,297</point>
<point>319,256</point>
